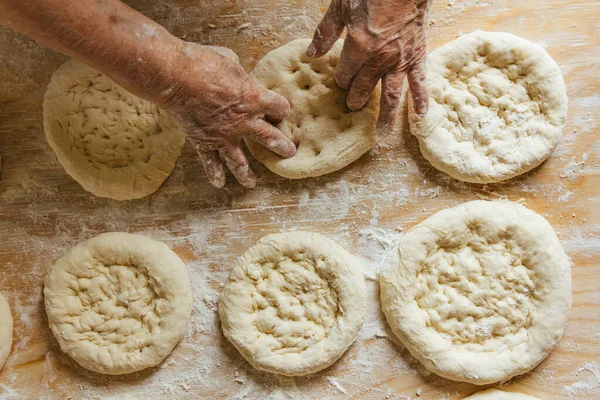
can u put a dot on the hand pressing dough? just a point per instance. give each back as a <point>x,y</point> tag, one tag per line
<point>294,303</point>
<point>493,394</point>
<point>498,106</point>
<point>481,291</point>
<point>6,330</point>
<point>111,142</point>
<point>328,135</point>
<point>118,303</point>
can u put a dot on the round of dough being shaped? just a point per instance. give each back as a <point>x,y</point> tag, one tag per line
<point>294,303</point>
<point>493,394</point>
<point>497,107</point>
<point>481,291</point>
<point>328,135</point>
<point>6,330</point>
<point>113,143</point>
<point>118,303</point>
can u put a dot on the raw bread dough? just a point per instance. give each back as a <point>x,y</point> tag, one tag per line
<point>493,394</point>
<point>498,105</point>
<point>328,135</point>
<point>481,291</point>
<point>118,303</point>
<point>294,303</point>
<point>111,142</point>
<point>6,330</point>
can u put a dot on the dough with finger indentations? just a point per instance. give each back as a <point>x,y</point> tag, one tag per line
<point>6,330</point>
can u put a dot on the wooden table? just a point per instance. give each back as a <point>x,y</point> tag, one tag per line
<point>364,207</point>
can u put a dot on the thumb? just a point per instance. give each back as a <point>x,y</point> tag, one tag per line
<point>328,32</point>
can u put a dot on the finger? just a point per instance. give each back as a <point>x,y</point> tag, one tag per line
<point>391,91</point>
<point>213,168</point>
<point>237,163</point>
<point>362,86</point>
<point>417,82</point>
<point>327,33</point>
<point>351,61</point>
<point>272,138</point>
<point>275,106</point>
<point>226,52</point>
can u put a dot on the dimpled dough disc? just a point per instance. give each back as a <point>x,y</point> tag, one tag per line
<point>493,394</point>
<point>118,303</point>
<point>480,293</point>
<point>6,330</point>
<point>498,106</point>
<point>328,135</point>
<point>294,303</point>
<point>111,142</point>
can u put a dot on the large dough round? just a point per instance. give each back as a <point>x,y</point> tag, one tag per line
<point>493,394</point>
<point>111,142</point>
<point>498,106</point>
<point>6,330</point>
<point>328,135</point>
<point>481,291</point>
<point>118,303</point>
<point>294,303</point>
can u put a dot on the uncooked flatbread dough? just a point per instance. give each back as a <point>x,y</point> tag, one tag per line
<point>493,394</point>
<point>481,291</point>
<point>294,303</point>
<point>328,135</point>
<point>118,303</point>
<point>6,330</point>
<point>111,142</point>
<point>497,108</point>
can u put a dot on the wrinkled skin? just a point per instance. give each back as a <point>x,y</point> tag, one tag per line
<point>386,40</point>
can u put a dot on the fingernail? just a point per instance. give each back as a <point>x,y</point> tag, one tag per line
<point>422,111</point>
<point>312,50</point>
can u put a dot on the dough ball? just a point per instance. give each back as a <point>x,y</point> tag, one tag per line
<point>493,394</point>
<point>294,303</point>
<point>480,293</point>
<point>111,142</point>
<point>498,106</point>
<point>118,303</point>
<point>6,330</point>
<point>328,135</point>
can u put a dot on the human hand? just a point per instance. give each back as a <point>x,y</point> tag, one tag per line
<point>387,40</point>
<point>217,103</point>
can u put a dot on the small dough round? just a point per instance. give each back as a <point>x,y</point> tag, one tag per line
<point>497,108</point>
<point>481,291</point>
<point>113,143</point>
<point>329,136</point>
<point>493,394</point>
<point>118,303</point>
<point>294,303</point>
<point>6,330</point>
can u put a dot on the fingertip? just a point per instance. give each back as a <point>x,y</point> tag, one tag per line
<point>312,49</point>
<point>249,181</point>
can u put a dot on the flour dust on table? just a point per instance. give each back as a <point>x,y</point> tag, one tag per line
<point>294,303</point>
<point>328,135</point>
<point>480,292</point>
<point>498,106</point>
<point>118,303</point>
<point>113,143</point>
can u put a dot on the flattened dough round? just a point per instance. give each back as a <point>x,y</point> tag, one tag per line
<point>481,291</point>
<point>493,394</point>
<point>113,143</point>
<point>294,303</point>
<point>6,330</point>
<point>329,136</point>
<point>118,303</point>
<point>497,107</point>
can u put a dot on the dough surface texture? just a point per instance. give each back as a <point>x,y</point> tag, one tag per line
<point>6,330</point>
<point>493,394</point>
<point>294,303</point>
<point>118,303</point>
<point>480,292</point>
<point>110,141</point>
<point>497,109</point>
<point>329,136</point>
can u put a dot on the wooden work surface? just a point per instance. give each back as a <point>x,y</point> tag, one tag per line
<point>43,212</point>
